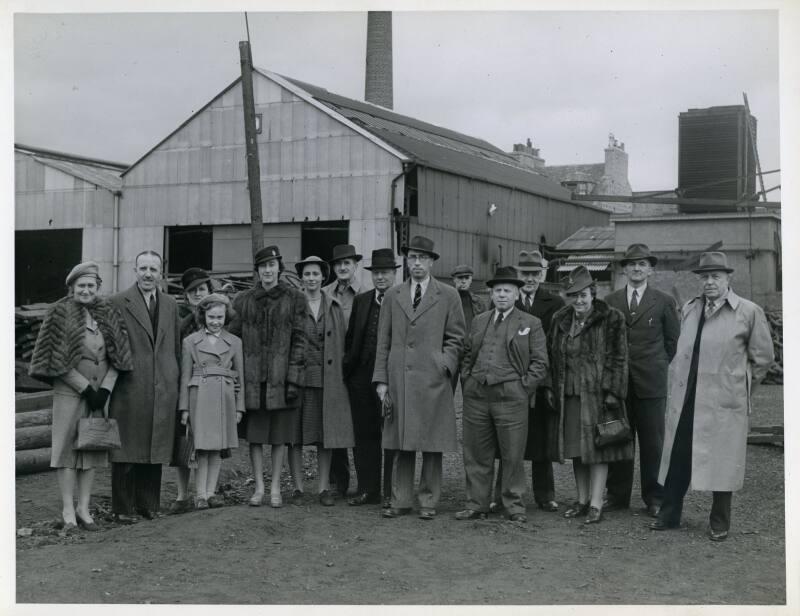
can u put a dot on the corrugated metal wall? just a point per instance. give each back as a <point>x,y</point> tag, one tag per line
<point>453,212</point>
<point>312,167</point>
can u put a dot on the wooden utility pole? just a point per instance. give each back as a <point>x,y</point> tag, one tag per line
<point>253,166</point>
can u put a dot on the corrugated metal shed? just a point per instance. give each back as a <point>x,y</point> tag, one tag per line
<point>594,263</point>
<point>105,174</point>
<point>589,238</point>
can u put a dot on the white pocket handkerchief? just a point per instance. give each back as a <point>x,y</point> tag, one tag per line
<point>524,332</point>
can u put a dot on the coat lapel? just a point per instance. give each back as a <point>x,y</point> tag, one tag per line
<point>481,324</point>
<point>404,299</point>
<point>429,299</point>
<point>134,303</point>
<point>220,348</point>
<point>515,326</point>
<point>648,301</point>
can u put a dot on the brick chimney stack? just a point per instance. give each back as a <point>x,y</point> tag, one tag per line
<point>378,82</point>
<point>527,155</point>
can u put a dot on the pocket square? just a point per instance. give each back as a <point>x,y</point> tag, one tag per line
<point>524,332</point>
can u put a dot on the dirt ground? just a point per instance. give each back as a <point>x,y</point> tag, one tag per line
<point>305,553</point>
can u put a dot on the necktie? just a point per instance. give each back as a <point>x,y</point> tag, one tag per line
<point>151,308</point>
<point>417,296</point>
<point>380,298</point>
<point>498,320</point>
<point>634,301</point>
<point>710,307</point>
<point>529,300</point>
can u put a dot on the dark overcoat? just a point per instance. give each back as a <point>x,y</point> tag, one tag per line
<point>652,339</point>
<point>145,400</point>
<point>358,365</point>
<point>545,305</point>
<point>270,324</point>
<point>603,369</point>
<point>417,354</point>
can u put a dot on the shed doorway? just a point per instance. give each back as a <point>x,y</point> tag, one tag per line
<point>319,238</point>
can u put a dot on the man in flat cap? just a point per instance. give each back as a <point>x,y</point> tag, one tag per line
<point>724,350</point>
<point>145,400</point>
<point>653,329</point>
<point>471,303</point>
<point>420,338</point>
<point>347,285</point>
<point>359,363</point>
<point>505,359</point>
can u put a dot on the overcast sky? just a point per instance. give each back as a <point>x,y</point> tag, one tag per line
<point>113,85</point>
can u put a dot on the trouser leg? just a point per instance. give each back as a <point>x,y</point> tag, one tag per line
<point>650,428</point>
<point>479,446</point>
<point>679,474</point>
<point>148,487</point>
<point>544,486</point>
<point>123,488</point>
<point>542,480</point>
<point>403,479</point>
<point>509,410</point>
<point>388,467</point>
<point>430,481</point>
<point>340,470</point>
<point>620,474</point>
<point>367,460</point>
<point>720,518</point>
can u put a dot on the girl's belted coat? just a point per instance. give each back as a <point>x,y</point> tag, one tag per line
<point>735,351</point>
<point>603,370</point>
<point>417,354</point>
<point>209,373</point>
<point>337,421</point>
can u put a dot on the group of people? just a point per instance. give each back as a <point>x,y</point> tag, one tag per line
<point>542,379</point>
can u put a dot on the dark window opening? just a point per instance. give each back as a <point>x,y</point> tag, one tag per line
<point>42,260</point>
<point>412,204</point>
<point>188,247</point>
<point>319,238</point>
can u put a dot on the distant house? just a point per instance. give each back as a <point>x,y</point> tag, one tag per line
<point>592,247</point>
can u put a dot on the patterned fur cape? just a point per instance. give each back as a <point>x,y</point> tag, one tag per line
<point>60,342</point>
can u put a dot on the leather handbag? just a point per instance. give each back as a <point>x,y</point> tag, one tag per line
<point>97,433</point>
<point>183,450</point>
<point>387,408</point>
<point>612,431</point>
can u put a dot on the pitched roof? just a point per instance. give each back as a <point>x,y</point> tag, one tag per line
<point>589,238</point>
<point>101,173</point>
<point>437,147</point>
<point>576,173</point>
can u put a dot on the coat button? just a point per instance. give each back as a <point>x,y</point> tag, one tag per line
<point>330,361</point>
<point>329,332</point>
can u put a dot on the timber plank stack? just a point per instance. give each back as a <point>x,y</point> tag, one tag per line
<point>775,320</point>
<point>33,422</point>
<point>27,321</point>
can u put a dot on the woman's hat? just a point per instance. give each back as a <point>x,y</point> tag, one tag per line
<point>713,262</point>
<point>382,258</point>
<point>420,244</point>
<point>636,252</point>
<point>312,260</point>
<point>194,277</point>
<point>214,298</point>
<point>344,251</point>
<point>87,268</point>
<point>505,275</point>
<point>531,261</point>
<point>267,254</point>
<point>577,280</point>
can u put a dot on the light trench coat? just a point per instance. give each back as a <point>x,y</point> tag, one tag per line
<point>735,352</point>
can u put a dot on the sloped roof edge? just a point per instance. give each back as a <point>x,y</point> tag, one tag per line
<point>83,160</point>
<point>93,175</point>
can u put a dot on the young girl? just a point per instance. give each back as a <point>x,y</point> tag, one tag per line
<point>211,366</point>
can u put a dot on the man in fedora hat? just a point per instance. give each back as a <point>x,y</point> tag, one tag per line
<point>347,285</point>
<point>359,362</point>
<point>505,358</point>
<point>653,328</point>
<point>724,350</point>
<point>420,337</point>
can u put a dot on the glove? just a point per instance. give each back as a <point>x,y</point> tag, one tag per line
<point>292,393</point>
<point>611,402</point>
<point>88,393</point>
<point>549,398</point>
<point>239,416</point>
<point>99,399</point>
<point>381,389</point>
<point>184,417</point>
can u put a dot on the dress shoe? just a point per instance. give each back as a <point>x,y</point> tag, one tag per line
<point>201,503</point>
<point>215,500</point>
<point>256,500</point>
<point>364,499</point>
<point>181,506</point>
<point>121,518</point>
<point>62,524</point>
<point>662,525</point>
<point>714,535</point>
<point>612,504</point>
<point>395,512</point>
<point>518,517</point>
<point>653,510</point>
<point>495,507</point>
<point>427,514</point>
<point>576,509</point>
<point>387,502</point>
<point>147,514</point>
<point>276,501</point>
<point>594,516</point>
<point>298,496</point>
<point>86,525</point>
<point>326,498</point>
<point>550,506</point>
<point>470,514</point>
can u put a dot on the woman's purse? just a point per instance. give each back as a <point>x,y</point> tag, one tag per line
<point>183,451</point>
<point>612,431</point>
<point>97,433</point>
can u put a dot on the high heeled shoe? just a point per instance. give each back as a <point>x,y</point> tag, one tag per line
<point>576,510</point>
<point>275,501</point>
<point>86,525</point>
<point>256,500</point>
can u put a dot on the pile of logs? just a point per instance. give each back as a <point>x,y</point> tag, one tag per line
<point>33,432</point>
<point>775,320</point>
<point>27,321</point>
